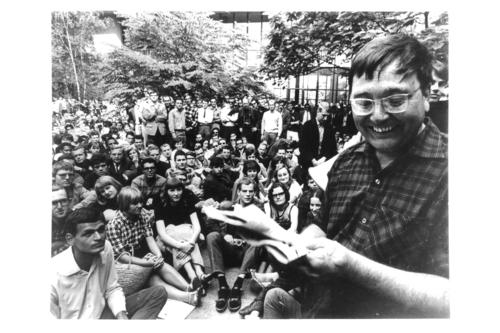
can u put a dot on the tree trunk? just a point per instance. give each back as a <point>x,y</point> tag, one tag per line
<point>72,58</point>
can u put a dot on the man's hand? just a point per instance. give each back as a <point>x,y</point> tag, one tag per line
<point>325,257</point>
<point>229,239</point>
<point>254,129</point>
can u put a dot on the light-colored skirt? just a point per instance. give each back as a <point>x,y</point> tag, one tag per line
<point>182,232</point>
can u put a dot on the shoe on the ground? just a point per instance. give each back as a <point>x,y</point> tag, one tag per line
<point>221,302</point>
<point>235,298</point>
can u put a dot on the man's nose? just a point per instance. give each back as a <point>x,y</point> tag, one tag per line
<point>379,112</point>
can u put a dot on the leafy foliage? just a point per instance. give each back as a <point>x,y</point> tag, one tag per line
<point>178,52</point>
<point>73,54</point>
<point>301,41</point>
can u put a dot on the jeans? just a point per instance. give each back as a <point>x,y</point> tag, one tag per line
<point>270,137</point>
<point>279,304</point>
<point>220,252</point>
<point>144,304</point>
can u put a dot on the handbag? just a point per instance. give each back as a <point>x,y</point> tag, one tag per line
<point>132,278</point>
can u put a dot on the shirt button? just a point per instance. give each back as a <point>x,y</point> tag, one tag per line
<point>363,220</point>
<point>377,181</point>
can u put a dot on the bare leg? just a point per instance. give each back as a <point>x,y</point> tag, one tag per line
<point>262,267</point>
<point>171,276</point>
<point>174,293</point>
<point>188,267</point>
<point>199,271</point>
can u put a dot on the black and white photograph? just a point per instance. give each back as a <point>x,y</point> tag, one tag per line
<point>249,165</point>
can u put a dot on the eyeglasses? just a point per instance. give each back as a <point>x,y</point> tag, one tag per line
<point>275,195</point>
<point>396,103</point>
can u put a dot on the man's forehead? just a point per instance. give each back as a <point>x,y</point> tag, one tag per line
<point>82,227</point>
<point>59,195</point>
<point>387,79</point>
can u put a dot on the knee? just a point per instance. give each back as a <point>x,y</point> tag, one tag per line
<point>213,238</point>
<point>159,293</point>
<point>274,296</point>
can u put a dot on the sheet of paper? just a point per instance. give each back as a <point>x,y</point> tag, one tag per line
<point>175,310</point>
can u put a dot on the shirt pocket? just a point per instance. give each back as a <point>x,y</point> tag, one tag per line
<point>397,239</point>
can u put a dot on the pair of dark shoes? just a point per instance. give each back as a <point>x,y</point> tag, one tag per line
<point>231,298</point>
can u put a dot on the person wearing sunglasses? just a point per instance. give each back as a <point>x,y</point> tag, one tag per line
<point>381,248</point>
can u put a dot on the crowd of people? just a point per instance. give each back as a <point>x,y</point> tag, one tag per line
<point>130,183</point>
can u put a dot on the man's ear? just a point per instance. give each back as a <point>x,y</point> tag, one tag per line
<point>69,238</point>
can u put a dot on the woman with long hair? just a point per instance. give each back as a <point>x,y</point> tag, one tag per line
<point>282,175</point>
<point>136,251</point>
<point>104,197</point>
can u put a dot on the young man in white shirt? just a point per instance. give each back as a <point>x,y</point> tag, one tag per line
<point>84,281</point>
<point>272,124</point>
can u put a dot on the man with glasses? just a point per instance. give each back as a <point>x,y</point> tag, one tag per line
<point>63,175</point>
<point>382,247</point>
<point>60,209</point>
<point>151,185</point>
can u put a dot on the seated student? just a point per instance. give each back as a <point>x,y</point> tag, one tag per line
<point>314,215</point>
<point>251,170</point>
<point>280,208</point>
<point>82,164</point>
<point>303,203</point>
<point>131,236</point>
<point>219,182</point>
<point>195,186</point>
<point>104,197</point>
<point>60,209</point>
<point>150,184</point>
<point>180,166</point>
<point>283,176</point>
<point>179,146</point>
<point>133,155</point>
<point>161,167</point>
<point>94,148</point>
<point>252,155</point>
<point>120,167</point>
<point>63,175</point>
<point>84,281</point>
<point>178,229</point>
<point>63,149</point>
<point>166,153</point>
<point>231,164</point>
<point>100,167</point>
<point>226,248</point>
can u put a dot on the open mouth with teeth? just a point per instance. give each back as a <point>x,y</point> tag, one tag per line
<point>382,130</point>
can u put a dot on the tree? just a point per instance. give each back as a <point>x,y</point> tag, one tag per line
<point>73,55</point>
<point>177,52</point>
<point>302,41</point>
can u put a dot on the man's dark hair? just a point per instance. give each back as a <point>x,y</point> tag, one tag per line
<point>272,190</point>
<point>64,144</point>
<point>250,165</point>
<point>217,162</point>
<point>138,136</point>
<point>412,57</point>
<point>179,153</point>
<point>82,215</point>
<point>147,160</point>
<point>130,133</point>
<point>98,158</point>
<point>66,157</point>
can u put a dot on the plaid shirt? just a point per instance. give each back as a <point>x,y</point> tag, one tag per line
<point>125,235</point>
<point>397,216</point>
<point>191,116</point>
<point>156,189</point>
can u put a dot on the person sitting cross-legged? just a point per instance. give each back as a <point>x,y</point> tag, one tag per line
<point>225,247</point>
<point>84,281</point>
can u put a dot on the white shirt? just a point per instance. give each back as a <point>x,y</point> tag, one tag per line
<point>272,122</point>
<point>205,116</point>
<point>228,120</point>
<point>77,294</point>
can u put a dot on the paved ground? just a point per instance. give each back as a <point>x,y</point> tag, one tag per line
<point>207,308</point>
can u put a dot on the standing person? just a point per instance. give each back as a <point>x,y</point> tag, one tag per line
<point>153,116</point>
<point>229,117</point>
<point>217,112</point>
<point>177,121</point>
<point>317,140</point>
<point>248,119</point>
<point>205,119</point>
<point>382,247</point>
<point>85,284</point>
<point>272,124</point>
<point>191,120</point>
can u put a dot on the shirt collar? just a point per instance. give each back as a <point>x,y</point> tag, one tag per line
<point>430,143</point>
<point>67,266</point>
